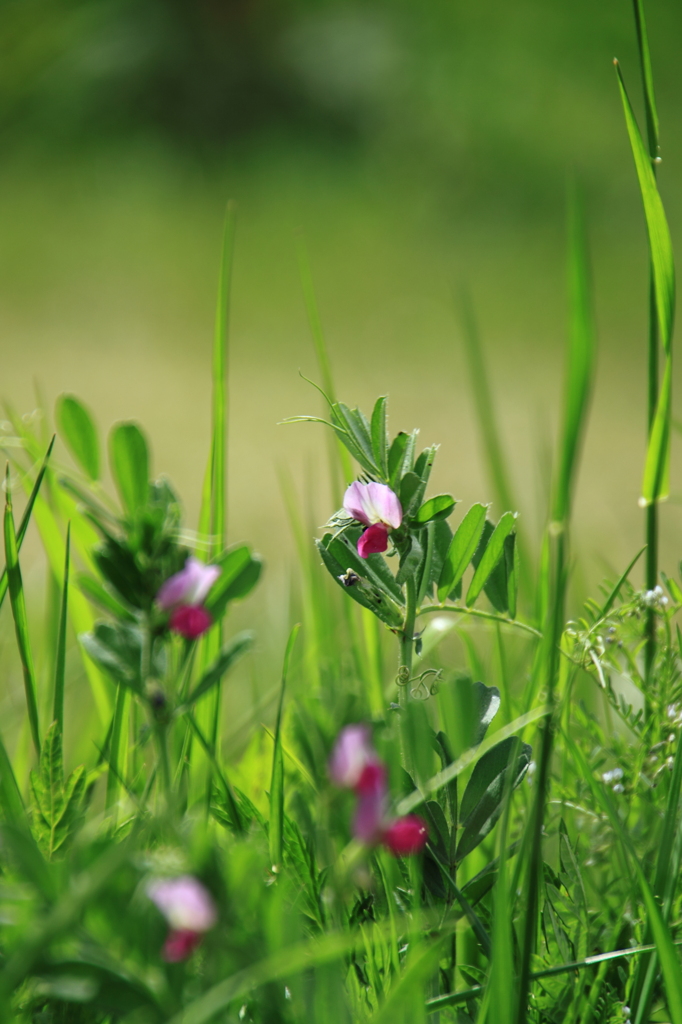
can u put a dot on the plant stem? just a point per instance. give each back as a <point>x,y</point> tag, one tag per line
<point>405,668</point>
<point>651,528</point>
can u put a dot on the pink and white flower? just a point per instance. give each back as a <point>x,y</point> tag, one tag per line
<point>406,836</point>
<point>184,593</point>
<point>189,910</point>
<point>352,752</point>
<point>378,508</point>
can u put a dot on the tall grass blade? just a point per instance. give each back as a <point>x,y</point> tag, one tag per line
<point>669,960</point>
<point>26,517</point>
<point>118,746</point>
<point>10,797</point>
<point>580,364</point>
<point>276,825</point>
<point>60,657</point>
<point>578,383</point>
<point>18,603</point>
<point>651,112</point>
<point>655,484</point>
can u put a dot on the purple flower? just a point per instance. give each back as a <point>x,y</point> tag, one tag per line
<point>373,503</point>
<point>352,753</point>
<point>184,902</point>
<point>190,586</point>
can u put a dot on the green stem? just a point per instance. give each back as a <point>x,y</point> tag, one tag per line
<point>405,652</point>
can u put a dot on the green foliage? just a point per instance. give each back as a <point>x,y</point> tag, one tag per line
<point>56,803</point>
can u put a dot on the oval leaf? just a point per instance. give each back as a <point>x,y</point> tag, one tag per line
<point>129,458</point>
<point>439,507</point>
<point>491,555</point>
<point>462,549</point>
<point>79,433</point>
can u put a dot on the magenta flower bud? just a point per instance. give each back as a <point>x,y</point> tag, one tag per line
<point>370,812</point>
<point>190,586</point>
<point>190,621</point>
<point>406,836</point>
<point>373,503</point>
<point>373,540</point>
<point>184,902</point>
<point>352,753</point>
<point>180,943</point>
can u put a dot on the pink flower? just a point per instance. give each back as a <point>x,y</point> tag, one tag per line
<point>189,910</point>
<point>377,507</point>
<point>190,586</point>
<point>406,836</point>
<point>190,621</point>
<point>184,902</point>
<point>352,753</point>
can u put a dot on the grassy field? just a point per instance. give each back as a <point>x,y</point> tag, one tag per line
<point>443,785</point>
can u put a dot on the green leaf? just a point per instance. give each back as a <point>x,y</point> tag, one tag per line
<point>10,798</point>
<point>410,560</point>
<point>424,463</point>
<point>411,493</point>
<point>118,650</point>
<point>18,603</point>
<point>25,519</point>
<point>240,572</point>
<point>482,800</point>
<point>231,652</point>
<point>101,597</point>
<point>354,430</point>
<point>367,595</point>
<point>79,433</point>
<point>129,458</point>
<point>396,455</point>
<point>500,587</point>
<point>56,806</point>
<point>436,508</point>
<point>276,823</point>
<point>461,550</point>
<point>491,556</point>
<point>379,436</point>
<point>344,548</point>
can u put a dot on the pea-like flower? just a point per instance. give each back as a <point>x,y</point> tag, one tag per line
<point>378,508</point>
<point>406,836</point>
<point>189,910</point>
<point>355,765</point>
<point>352,752</point>
<point>183,595</point>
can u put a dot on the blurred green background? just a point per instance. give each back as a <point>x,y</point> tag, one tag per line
<point>416,146</point>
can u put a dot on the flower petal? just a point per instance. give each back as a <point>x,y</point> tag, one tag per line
<point>386,505</point>
<point>406,836</point>
<point>180,943</point>
<point>184,902</point>
<point>373,541</point>
<point>189,586</point>
<point>354,503</point>
<point>190,621</point>
<point>352,752</point>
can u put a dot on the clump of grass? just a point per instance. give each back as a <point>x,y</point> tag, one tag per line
<point>544,883</point>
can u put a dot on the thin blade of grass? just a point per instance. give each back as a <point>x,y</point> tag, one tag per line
<point>670,964</point>
<point>18,603</point>
<point>613,596</point>
<point>647,79</point>
<point>60,656</point>
<point>26,517</point>
<point>118,746</point>
<point>10,797</point>
<point>276,825</point>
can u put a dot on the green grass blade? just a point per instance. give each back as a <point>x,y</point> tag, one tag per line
<point>647,79</point>
<point>485,406</point>
<point>220,385</point>
<point>666,869</point>
<point>670,963</point>
<point>342,457</point>
<point>26,517</point>
<point>10,797</point>
<point>580,362</point>
<point>60,657</point>
<point>118,746</point>
<point>276,825</point>
<point>656,481</point>
<point>18,603</point>
<point>613,596</point>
